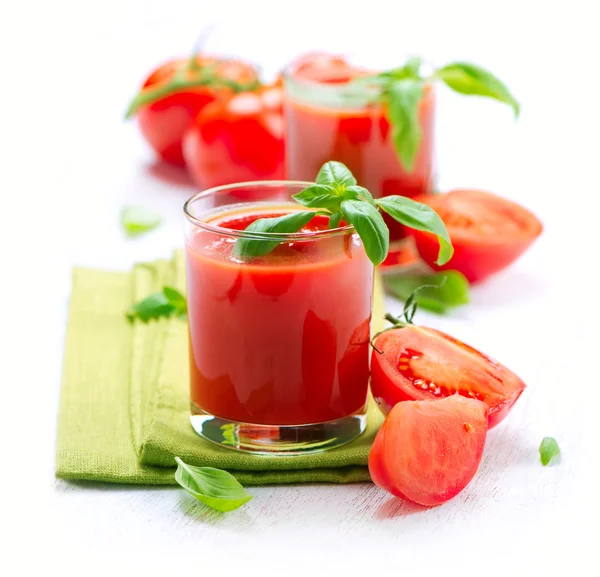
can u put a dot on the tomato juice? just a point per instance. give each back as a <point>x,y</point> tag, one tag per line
<point>327,117</point>
<point>281,339</point>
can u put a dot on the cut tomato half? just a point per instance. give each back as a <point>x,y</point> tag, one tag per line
<point>428,451</point>
<point>419,363</point>
<point>488,232</point>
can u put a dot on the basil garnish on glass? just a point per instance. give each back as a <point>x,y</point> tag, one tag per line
<point>401,90</point>
<point>337,195</point>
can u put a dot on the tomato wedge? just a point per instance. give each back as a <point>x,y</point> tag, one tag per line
<point>237,139</point>
<point>419,363</point>
<point>174,94</point>
<point>488,232</point>
<point>428,451</point>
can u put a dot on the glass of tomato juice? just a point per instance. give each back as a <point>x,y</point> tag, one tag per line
<point>329,116</point>
<point>279,344</point>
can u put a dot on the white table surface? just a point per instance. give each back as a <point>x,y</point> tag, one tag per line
<point>68,163</point>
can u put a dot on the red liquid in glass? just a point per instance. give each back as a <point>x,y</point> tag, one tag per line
<point>282,339</point>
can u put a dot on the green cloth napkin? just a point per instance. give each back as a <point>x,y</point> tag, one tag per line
<point>124,409</point>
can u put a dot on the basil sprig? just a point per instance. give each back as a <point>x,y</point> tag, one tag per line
<point>548,450</point>
<point>216,488</point>
<point>337,194</point>
<point>402,90</point>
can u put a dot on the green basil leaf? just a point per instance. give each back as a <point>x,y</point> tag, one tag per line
<point>548,450</point>
<point>319,196</point>
<point>137,220</point>
<point>288,223</point>
<point>216,488</point>
<point>420,217</point>
<point>440,291</point>
<point>369,225</point>
<point>152,307</point>
<point>335,219</point>
<point>403,98</point>
<point>410,69</point>
<point>468,78</point>
<point>334,172</point>
<point>355,192</point>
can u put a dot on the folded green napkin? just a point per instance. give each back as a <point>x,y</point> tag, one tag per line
<point>124,409</point>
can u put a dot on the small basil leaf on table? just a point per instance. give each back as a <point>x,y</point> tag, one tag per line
<point>420,217</point>
<point>319,196</point>
<point>137,220</point>
<point>163,304</point>
<point>288,223</point>
<point>370,226</point>
<point>403,98</point>
<point>439,292</point>
<point>548,450</point>
<point>214,487</point>
<point>334,172</point>
<point>468,78</point>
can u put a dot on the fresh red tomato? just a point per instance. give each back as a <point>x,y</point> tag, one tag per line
<point>174,93</point>
<point>428,451</point>
<point>324,67</point>
<point>488,232</point>
<point>420,364</point>
<point>237,139</point>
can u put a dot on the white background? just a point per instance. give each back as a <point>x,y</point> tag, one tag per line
<point>68,162</point>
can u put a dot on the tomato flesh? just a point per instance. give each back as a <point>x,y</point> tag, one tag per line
<point>164,121</point>
<point>419,363</point>
<point>237,139</point>
<point>488,232</point>
<point>428,451</point>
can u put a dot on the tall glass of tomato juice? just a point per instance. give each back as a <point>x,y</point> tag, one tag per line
<point>279,344</point>
<point>330,117</point>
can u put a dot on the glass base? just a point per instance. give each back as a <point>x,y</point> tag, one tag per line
<point>278,439</point>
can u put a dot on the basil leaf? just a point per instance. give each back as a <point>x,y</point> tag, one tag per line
<point>369,225</point>
<point>355,192</point>
<point>410,69</point>
<point>420,217</point>
<point>214,487</point>
<point>468,78</point>
<point>439,292</point>
<point>137,220</point>
<point>319,196</point>
<point>163,304</point>
<point>288,223</point>
<point>548,450</point>
<point>335,219</point>
<point>334,172</point>
<point>403,98</point>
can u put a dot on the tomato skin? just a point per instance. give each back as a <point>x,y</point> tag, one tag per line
<point>487,231</point>
<point>428,451</point>
<point>237,139</point>
<point>420,363</point>
<point>164,121</point>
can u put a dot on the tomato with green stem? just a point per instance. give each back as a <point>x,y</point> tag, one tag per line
<point>414,363</point>
<point>487,231</point>
<point>237,139</point>
<point>177,91</point>
<point>428,451</point>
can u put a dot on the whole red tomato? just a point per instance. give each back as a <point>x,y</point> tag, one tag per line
<point>488,232</point>
<point>174,93</point>
<point>237,139</point>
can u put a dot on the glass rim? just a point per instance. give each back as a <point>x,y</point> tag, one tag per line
<point>278,236</point>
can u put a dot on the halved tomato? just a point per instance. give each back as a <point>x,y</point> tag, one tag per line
<point>419,363</point>
<point>428,451</point>
<point>488,232</point>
